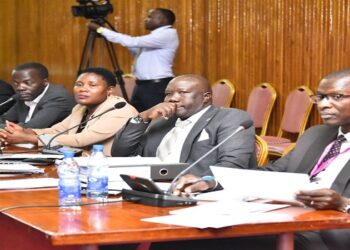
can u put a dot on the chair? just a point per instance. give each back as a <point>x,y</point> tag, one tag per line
<point>261,151</point>
<point>260,104</point>
<point>130,82</point>
<point>223,92</point>
<point>295,117</point>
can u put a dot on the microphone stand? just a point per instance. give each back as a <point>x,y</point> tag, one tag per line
<point>48,149</point>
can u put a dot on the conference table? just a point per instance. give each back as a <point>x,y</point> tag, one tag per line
<point>34,221</point>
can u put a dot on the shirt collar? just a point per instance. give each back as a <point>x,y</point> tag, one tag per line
<point>38,98</point>
<point>347,135</point>
<point>195,117</point>
<point>162,28</point>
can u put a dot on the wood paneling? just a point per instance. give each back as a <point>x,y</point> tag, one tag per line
<point>285,42</point>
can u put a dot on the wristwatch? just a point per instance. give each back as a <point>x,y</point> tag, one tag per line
<point>137,120</point>
<point>346,209</point>
<point>99,30</point>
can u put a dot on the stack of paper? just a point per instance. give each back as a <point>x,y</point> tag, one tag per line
<point>220,214</point>
<point>19,168</point>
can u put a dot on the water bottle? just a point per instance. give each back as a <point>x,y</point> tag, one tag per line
<point>69,183</point>
<point>97,179</point>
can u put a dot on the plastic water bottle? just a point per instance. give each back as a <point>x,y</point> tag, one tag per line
<point>97,180</point>
<point>69,183</point>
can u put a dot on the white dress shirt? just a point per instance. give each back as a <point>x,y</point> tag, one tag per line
<point>32,104</point>
<point>155,51</point>
<point>175,151</point>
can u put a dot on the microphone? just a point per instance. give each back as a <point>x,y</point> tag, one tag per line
<point>47,148</point>
<point>167,199</point>
<point>244,125</point>
<point>12,98</point>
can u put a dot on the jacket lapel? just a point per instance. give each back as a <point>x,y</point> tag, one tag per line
<point>314,152</point>
<point>195,131</point>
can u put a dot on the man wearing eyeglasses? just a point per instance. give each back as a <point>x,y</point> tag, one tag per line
<point>323,152</point>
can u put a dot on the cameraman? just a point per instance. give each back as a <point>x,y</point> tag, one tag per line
<point>154,55</point>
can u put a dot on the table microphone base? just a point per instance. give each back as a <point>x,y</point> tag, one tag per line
<point>157,200</point>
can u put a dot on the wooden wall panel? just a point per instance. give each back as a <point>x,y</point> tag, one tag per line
<point>284,42</point>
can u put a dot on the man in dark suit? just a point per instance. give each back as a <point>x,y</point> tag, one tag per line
<point>6,91</point>
<point>330,175</point>
<point>188,100</point>
<point>40,104</point>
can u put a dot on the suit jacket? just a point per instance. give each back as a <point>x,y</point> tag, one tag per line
<point>6,91</point>
<point>100,130</point>
<point>303,158</point>
<point>55,105</point>
<point>217,123</point>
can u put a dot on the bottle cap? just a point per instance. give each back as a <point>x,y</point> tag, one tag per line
<point>68,154</point>
<point>97,148</point>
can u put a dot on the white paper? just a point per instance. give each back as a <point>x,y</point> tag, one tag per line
<point>279,186</point>
<point>228,208</point>
<point>30,156</point>
<point>25,145</point>
<point>123,161</point>
<point>20,167</point>
<point>28,183</point>
<point>217,220</point>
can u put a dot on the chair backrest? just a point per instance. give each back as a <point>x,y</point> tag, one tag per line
<point>296,112</point>
<point>261,150</point>
<point>130,82</point>
<point>223,92</point>
<point>260,104</point>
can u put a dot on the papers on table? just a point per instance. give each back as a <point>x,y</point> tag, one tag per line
<point>242,184</point>
<point>19,168</point>
<point>29,183</point>
<point>123,161</point>
<point>220,214</point>
<point>30,156</point>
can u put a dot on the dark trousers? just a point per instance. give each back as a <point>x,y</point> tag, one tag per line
<point>148,93</point>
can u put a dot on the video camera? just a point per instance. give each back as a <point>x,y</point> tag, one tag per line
<point>92,9</point>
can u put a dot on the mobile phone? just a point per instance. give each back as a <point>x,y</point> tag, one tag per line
<point>141,184</point>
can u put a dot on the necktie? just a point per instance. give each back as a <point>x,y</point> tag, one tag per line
<point>167,146</point>
<point>333,151</point>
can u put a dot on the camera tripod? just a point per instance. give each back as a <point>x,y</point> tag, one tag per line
<point>87,54</point>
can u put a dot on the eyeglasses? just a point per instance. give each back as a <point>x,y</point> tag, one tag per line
<point>333,97</point>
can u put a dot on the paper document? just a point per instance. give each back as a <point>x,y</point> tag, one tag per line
<point>30,156</point>
<point>123,161</point>
<point>221,214</point>
<point>279,186</point>
<point>19,168</point>
<point>29,183</point>
<point>228,208</point>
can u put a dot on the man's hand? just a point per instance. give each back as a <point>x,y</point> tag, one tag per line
<point>322,199</point>
<point>189,184</point>
<point>164,109</point>
<point>93,26</point>
<point>13,133</point>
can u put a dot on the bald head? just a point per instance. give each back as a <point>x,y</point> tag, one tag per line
<point>191,93</point>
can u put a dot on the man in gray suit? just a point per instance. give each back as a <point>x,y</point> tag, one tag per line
<point>39,103</point>
<point>331,176</point>
<point>188,100</point>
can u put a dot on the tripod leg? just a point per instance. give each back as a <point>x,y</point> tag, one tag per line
<point>86,57</point>
<point>117,70</point>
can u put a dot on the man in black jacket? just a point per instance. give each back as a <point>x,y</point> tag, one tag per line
<point>40,104</point>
